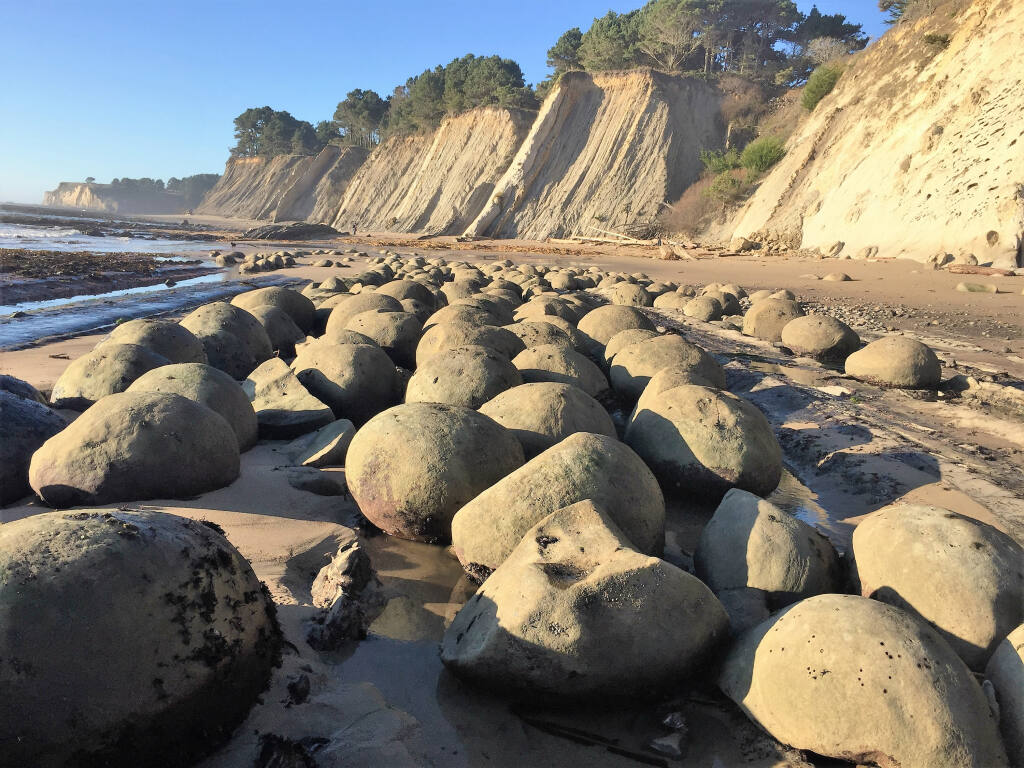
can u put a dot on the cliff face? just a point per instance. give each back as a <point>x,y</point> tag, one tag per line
<point>606,151</point>
<point>252,187</point>
<point>104,197</point>
<point>918,150</point>
<point>437,183</point>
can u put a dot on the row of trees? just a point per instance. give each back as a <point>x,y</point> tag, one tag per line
<point>760,39</point>
<point>364,117</point>
<point>191,188</point>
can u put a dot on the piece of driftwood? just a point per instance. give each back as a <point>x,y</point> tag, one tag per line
<point>968,269</point>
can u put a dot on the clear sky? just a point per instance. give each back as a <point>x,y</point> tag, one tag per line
<point>144,88</point>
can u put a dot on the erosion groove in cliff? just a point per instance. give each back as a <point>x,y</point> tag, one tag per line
<point>253,187</point>
<point>607,151</point>
<point>918,150</point>
<point>434,183</point>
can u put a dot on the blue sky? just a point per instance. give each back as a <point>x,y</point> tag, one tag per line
<point>110,89</point>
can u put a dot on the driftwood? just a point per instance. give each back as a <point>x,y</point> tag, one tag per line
<point>967,269</point>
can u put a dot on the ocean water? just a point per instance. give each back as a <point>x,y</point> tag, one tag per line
<point>69,239</point>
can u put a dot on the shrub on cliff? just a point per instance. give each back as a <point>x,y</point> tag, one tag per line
<point>718,162</point>
<point>819,85</point>
<point>761,154</point>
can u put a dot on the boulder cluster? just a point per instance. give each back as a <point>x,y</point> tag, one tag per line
<point>538,420</point>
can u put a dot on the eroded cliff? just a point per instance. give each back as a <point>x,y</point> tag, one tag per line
<point>105,197</point>
<point>918,150</point>
<point>606,152</point>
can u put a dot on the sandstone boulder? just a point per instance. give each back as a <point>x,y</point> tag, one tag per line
<point>599,325</point>
<point>583,466</point>
<point>701,442</point>
<point>543,414</point>
<point>413,466</point>
<point>397,333</point>
<point>284,408</point>
<point>107,369</point>
<point>537,333</point>
<point>862,681</point>
<point>299,308</point>
<point>766,319</point>
<point>703,308</point>
<point>821,337</point>
<point>284,334</point>
<point>21,389</point>
<point>749,543</point>
<point>165,337</point>
<point>25,425</point>
<point>965,578</point>
<point>1005,671</point>
<point>134,446</point>
<point>210,387</point>
<point>443,337</point>
<point>327,447</point>
<point>555,363</point>
<point>616,623</point>
<point>896,361</point>
<point>233,339</point>
<point>634,365</point>
<point>408,289</point>
<point>467,376</point>
<point>361,302</point>
<point>357,381</point>
<point>671,300</point>
<point>623,339</point>
<point>153,629</point>
<point>630,295</point>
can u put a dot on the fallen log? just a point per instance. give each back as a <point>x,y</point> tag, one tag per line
<point>968,269</point>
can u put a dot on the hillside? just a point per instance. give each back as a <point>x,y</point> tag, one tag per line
<point>918,150</point>
<point>252,187</point>
<point>105,197</point>
<point>606,151</point>
<point>434,183</point>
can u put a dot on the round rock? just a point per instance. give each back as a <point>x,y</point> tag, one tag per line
<point>357,381</point>
<point>555,363</point>
<point>25,425</point>
<point>766,319</point>
<point>700,441</point>
<point>107,369</point>
<point>299,308</point>
<point>467,376</point>
<point>165,337</point>
<point>153,628</point>
<point>896,361</point>
<point>413,466</point>
<point>599,325</point>
<point>634,365</point>
<point>233,339</point>
<point>821,337</point>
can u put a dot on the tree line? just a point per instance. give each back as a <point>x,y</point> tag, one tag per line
<point>191,188</point>
<point>364,117</point>
<point>764,40</point>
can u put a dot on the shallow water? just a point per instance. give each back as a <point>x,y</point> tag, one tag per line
<point>69,239</point>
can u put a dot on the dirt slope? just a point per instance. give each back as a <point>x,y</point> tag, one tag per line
<point>918,150</point>
<point>435,183</point>
<point>252,187</point>
<point>605,152</point>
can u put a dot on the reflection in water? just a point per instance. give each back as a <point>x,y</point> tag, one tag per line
<point>29,306</point>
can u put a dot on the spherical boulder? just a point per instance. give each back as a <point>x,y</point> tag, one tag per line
<point>555,363</point>
<point>154,630</point>
<point>671,300</point>
<point>357,381</point>
<point>21,389</point>
<point>729,303</point>
<point>25,425</point>
<point>444,337</point>
<point>623,339</point>
<point>821,337</point>
<point>107,369</point>
<point>361,302</point>
<point>766,319</point>
<point>233,339</point>
<point>397,333</point>
<point>413,466</point>
<point>408,289</point>
<point>467,376</point>
<point>896,361</point>
<point>543,414</point>
<point>749,543</point>
<point>133,446</point>
<point>669,378</point>
<point>299,308</point>
<point>534,333</point>
<point>862,681</point>
<point>606,630</point>
<point>634,365</point>
<point>466,313</point>
<point>165,337</point>
<point>599,325</point>
<point>629,295</point>
<point>963,577</point>
<point>210,387</point>
<point>1005,671</point>
<point>583,466</point>
<point>703,308</point>
<point>701,442</point>
<point>284,334</point>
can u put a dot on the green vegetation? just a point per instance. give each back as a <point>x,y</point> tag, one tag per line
<point>768,40</point>
<point>266,131</point>
<point>895,8</point>
<point>761,154</point>
<point>728,187</point>
<point>719,162</point>
<point>937,40</point>
<point>193,188</point>
<point>819,85</point>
